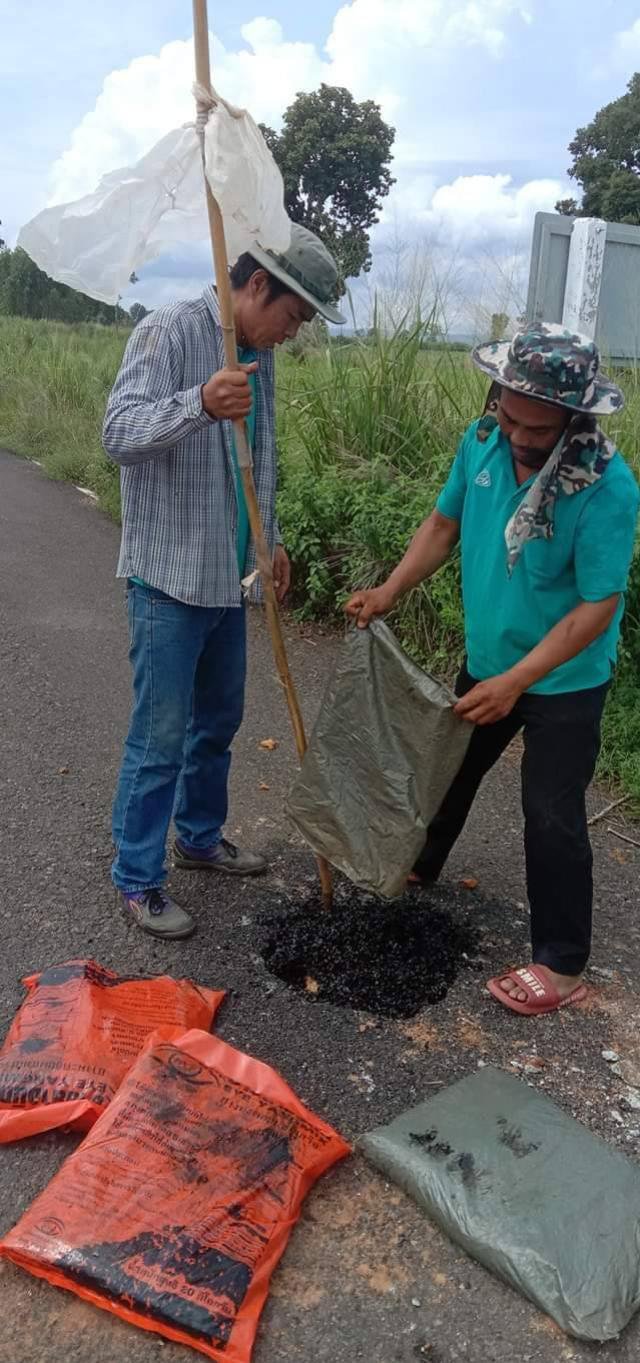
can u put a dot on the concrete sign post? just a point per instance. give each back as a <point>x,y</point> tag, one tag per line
<point>584,276</point>
<point>585,273</point>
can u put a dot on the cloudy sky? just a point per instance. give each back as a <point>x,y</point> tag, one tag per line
<point>485,96</point>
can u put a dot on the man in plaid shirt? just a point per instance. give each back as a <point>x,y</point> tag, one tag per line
<point>185,549</point>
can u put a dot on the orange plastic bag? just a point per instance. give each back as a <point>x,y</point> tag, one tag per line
<point>76,1035</point>
<point>175,1210</point>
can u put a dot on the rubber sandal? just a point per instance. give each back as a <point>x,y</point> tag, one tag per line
<point>542,995</point>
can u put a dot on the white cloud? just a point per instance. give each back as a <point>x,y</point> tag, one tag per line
<point>140,103</point>
<point>625,50</point>
<point>372,38</point>
<point>461,249</point>
<point>430,63</point>
<point>480,24</point>
<point>380,49</point>
<point>481,208</point>
<point>468,213</point>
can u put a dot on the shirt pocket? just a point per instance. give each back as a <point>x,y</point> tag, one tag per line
<point>548,561</point>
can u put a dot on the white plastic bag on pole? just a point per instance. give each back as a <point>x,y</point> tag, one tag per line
<point>245,180</point>
<point>135,214</point>
<point>140,212</point>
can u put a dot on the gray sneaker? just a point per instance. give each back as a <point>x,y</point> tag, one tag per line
<point>224,857</point>
<point>158,914</point>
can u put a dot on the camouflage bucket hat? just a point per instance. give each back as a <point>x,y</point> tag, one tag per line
<point>551,364</point>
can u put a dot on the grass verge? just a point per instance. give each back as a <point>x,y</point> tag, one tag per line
<point>366,434</point>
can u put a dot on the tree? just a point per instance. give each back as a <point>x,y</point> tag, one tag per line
<point>499,324</point>
<point>334,155</point>
<point>24,286</point>
<point>136,312</point>
<point>606,162</point>
<point>570,208</point>
<point>26,291</point>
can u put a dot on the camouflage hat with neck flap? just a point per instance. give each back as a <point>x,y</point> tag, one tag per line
<point>551,364</point>
<point>548,363</point>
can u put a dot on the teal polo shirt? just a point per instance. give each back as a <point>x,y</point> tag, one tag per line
<point>242,539</point>
<point>587,559</point>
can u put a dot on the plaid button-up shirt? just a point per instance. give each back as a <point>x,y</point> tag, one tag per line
<point>179,501</point>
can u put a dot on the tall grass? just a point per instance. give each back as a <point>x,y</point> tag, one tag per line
<point>366,438</point>
<point>366,431</point>
<point>54,384</point>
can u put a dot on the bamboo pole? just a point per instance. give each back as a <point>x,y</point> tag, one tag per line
<point>263,556</point>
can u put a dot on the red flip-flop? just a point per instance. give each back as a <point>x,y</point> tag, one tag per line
<point>542,995</point>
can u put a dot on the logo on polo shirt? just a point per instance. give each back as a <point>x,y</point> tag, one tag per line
<point>483,479</point>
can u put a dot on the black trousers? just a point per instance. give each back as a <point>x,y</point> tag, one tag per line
<point>561,744</point>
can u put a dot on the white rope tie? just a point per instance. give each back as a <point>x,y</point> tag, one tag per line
<point>209,99</point>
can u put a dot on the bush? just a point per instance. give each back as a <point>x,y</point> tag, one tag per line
<point>367,436</point>
<point>367,430</point>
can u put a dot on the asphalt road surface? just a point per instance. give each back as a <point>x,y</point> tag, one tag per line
<point>366,1275</point>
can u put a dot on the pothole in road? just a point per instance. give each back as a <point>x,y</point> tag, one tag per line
<point>386,959</point>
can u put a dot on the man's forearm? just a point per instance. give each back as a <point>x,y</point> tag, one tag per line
<point>136,431</point>
<point>568,638</point>
<point>149,410</point>
<point>429,549</point>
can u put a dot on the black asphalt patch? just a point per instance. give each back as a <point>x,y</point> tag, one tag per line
<point>385,959</point>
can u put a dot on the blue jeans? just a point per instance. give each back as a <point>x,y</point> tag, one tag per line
<point>189,666</point>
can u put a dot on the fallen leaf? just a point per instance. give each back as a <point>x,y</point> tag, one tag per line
<point>533,1062</point>
<point>311,985</point>
<point>469,884</point>
<point>263,786</point>
<point>269,744</point>
<point>63,771</point>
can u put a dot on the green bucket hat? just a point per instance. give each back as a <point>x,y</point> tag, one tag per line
<point>551,364</point>
<point>308,268</point>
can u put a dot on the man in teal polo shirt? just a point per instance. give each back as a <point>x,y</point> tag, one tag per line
<point>544,509</point>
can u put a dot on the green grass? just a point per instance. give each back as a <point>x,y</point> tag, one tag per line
<point>54,384</point>
<point>366,436</point>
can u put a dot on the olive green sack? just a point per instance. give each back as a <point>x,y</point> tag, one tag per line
<point>384,752</point>
<point>527,1190</point>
